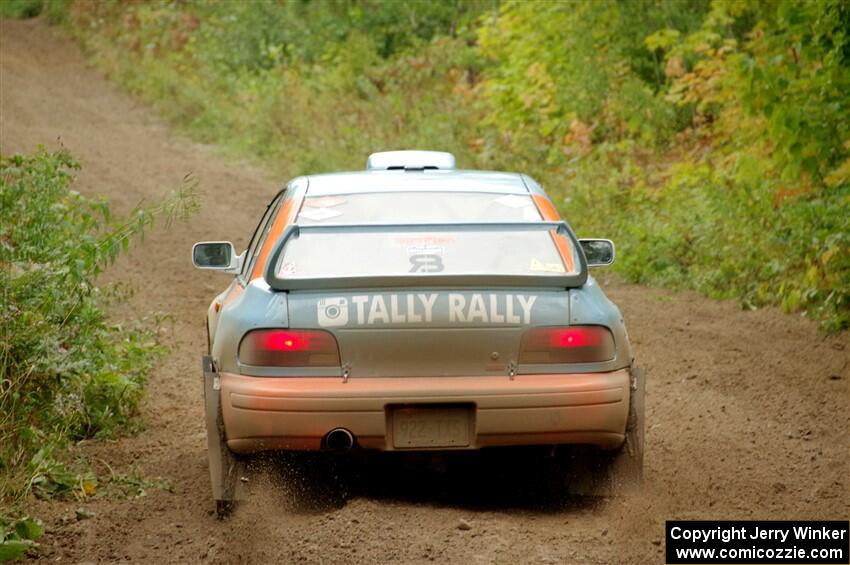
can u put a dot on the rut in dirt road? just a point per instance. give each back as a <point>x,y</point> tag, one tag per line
<point>747,412</point>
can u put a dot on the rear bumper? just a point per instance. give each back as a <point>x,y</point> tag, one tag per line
<point>267,413</point>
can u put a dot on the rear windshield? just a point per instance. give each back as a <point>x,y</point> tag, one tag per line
<point>399,207</point>
<point>448,250</point>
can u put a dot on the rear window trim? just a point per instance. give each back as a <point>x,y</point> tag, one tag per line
<point>260,233</point>
<point>346,193</point>
<point>567,280</point>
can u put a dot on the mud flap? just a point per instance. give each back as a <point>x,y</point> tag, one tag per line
<point>626,468</point>
<point>606,473</point>
<point>226,470</point>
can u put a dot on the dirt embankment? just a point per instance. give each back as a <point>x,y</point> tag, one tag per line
<point>747,411</point>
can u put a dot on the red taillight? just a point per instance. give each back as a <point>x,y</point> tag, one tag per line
<point>575,344</point>
<point>289,348</point>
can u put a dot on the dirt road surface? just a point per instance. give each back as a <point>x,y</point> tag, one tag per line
<point>747,411</point>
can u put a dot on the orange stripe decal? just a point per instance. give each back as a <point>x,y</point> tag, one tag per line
<point>546,208</point>
<point>550,214</point>
<point>565,249</point>
<point>285,216</point>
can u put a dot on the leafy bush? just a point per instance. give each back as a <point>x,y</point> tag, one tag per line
<point>66,373</point>
<point>18,536</point>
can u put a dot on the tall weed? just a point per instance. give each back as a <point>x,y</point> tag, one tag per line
<point>66,373</point>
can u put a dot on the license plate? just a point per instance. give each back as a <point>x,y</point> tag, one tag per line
<point>431,427</point>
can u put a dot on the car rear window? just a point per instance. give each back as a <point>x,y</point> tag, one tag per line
<point>398,207</point>
<point>448,250</point>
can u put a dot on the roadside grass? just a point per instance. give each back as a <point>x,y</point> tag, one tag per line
<point>66,372</point>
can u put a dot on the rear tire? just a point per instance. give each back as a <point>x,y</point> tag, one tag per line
<point>594,472</point>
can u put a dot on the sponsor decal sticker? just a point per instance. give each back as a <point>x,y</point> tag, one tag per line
<point>286,270</point>
<point>319,214</point>
<point>417,308</point>
<point>424,250</point>
<point>425,259</point>
<point>333,312</point>
<point>324,201</point>
<point>425,240</point>
<point>541,267</point>
<point>426,263</point>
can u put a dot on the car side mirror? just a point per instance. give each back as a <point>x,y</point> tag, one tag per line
<point>599,252</point>
<point>217,256</point>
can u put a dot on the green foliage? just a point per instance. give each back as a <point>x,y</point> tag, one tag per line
<point>711,138</point>
<point>559,63</point>
<point>54,10</point>
<point>20,8</point>
<point>66,373</point>
<point>769,84</point>
<point>18,536</point>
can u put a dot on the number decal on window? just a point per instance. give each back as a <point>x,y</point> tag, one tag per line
<point>426,263</point>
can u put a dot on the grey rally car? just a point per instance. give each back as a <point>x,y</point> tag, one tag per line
<point>413,306</point>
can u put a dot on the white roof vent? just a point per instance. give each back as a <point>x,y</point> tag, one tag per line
<point>410,160</point>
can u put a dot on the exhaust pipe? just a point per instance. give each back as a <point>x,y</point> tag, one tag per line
<point>339,439</point>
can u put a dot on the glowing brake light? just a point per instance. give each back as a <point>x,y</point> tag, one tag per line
<point>289,348</point>
<point>574,344</point>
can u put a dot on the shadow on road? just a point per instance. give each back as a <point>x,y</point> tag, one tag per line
<point>506,479</point>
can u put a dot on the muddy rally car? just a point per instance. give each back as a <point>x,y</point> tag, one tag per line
<point>414,307</point>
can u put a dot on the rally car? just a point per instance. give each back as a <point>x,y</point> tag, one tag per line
<point>413,307</point>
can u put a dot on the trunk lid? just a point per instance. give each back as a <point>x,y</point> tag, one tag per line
<point>428,331</point>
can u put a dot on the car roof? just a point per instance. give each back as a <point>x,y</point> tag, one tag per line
<point>419,181</point>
